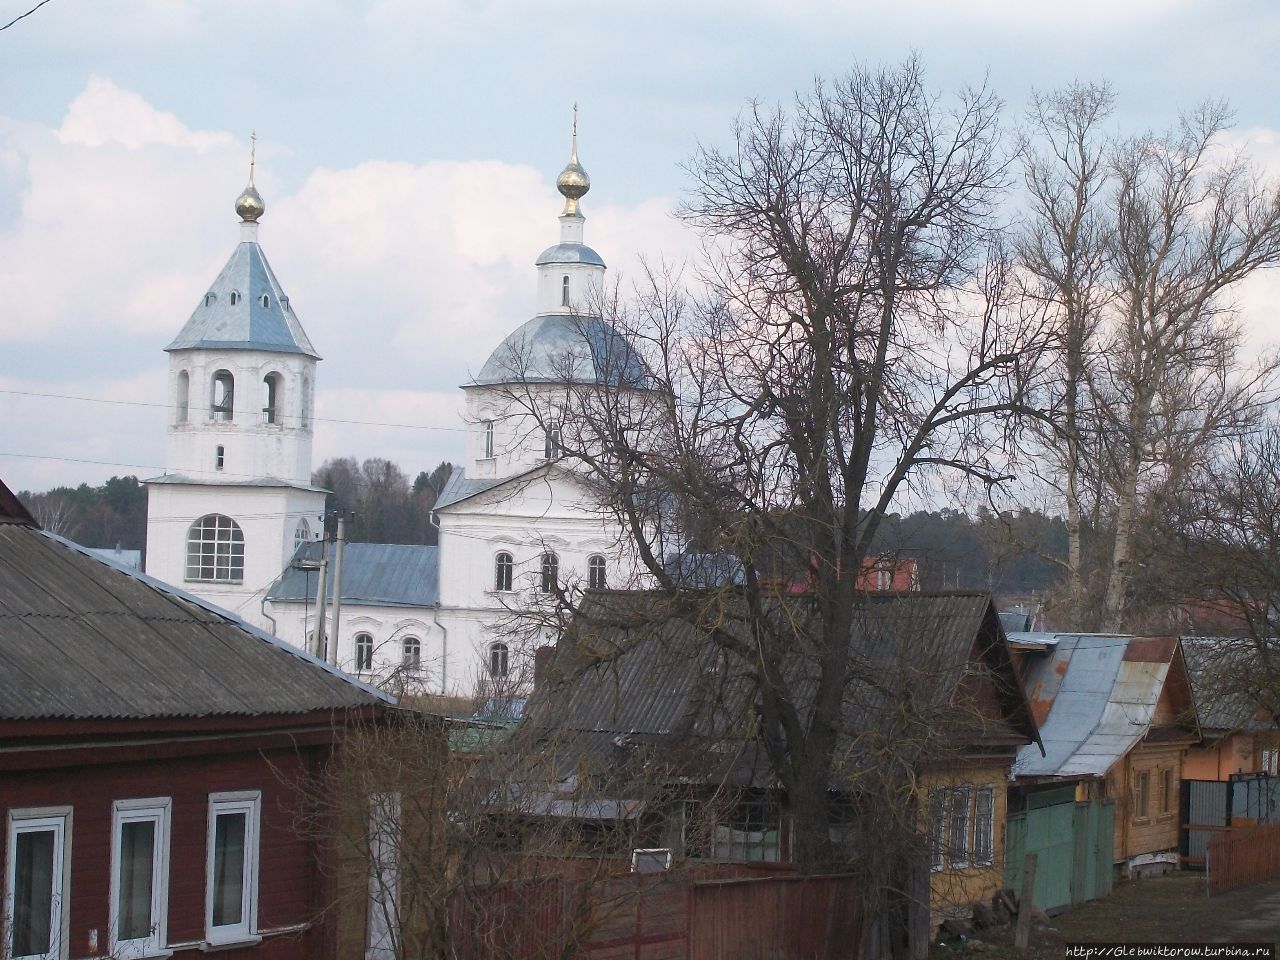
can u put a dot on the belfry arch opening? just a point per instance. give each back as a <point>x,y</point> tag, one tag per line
<point>272,397</point>
<point>222,399</point>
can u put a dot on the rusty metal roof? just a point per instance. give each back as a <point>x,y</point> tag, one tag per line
<point>84,638</point>
<point>1094,697</point>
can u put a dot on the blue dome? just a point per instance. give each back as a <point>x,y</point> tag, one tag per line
<point>561,348</point>
<point>569,253</point>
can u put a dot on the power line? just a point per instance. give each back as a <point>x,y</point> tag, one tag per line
<point>169,406</point>
<point>25,15</point>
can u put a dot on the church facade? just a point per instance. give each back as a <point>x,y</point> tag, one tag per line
<point>236,520</point>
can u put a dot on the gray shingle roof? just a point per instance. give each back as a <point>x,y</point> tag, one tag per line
<point>561,348</point>
<point>247,324</point>
<point>373,574</point>
<point>83,638</point>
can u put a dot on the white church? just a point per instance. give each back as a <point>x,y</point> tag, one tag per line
<point>236,520</point>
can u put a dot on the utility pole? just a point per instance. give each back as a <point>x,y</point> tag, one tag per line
<point>337,586</point>
<point>322,600</point>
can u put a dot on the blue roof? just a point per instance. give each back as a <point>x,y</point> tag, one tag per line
<point>247,324</point>
<point>373,574</point>
<point>565,348</point>
<point>569,253</point>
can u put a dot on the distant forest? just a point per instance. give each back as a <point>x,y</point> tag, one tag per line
<point>1012,553</point>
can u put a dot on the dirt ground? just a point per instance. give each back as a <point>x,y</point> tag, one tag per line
<point>1171,909</point>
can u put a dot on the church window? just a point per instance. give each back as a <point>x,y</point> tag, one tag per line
<point>488,439</point>
<point>215,550</point>
<point>364,653</point>
<point>210,299</point>
<point>550,572</point>
<point>564,291</point>
<point>499,660</point>
<point>503,566</point>
<point>221,407</point>
<point>596,572</point>
<point>301,533</point>
<point>306,402</point>
<point>284,303</point>
<point>264,300</point>
<point>183,397</point>
<point>412,659</point>
<point>551,441</point>
<point>219,457</point>
<point>235,297</point>
<point>271,397</point>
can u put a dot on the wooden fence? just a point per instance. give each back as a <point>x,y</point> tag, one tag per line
<point>1241,857</point>
<point>662,917</point>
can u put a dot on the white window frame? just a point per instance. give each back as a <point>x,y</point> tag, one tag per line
<point>938,811</point>
<point>504,571</point>
<point>383,935</point>
<point>362,651</point>
<point>411,656</point>
<point>984,826</point>
<point>32,820</point>
<point>158,811</point>
<point>597,572</point>
<point>958,847</point>
<point>248,802</point>
<point>487,435</point>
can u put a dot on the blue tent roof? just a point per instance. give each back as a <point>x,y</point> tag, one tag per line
<point>260,318</point>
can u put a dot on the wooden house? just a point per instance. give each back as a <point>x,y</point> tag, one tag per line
<point>1117,716</point>
<point>659,722</point>
<point>155,758</point>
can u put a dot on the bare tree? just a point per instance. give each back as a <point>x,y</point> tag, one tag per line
<point>1190,223</point>
<point>1064,253</point>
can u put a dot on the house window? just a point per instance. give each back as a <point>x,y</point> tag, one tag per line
<point>499,664</point>
<point>958,828</point>
<point>488,439</point>
<point>183,398</point>
<point>502,570</point>
<point>1270,761</point>
<point>937,828</point>
<point>1142,798</point>
<point>364,653</point>
<point>384,876</point>
<point>301,534</point>
<point>550,572</point>
<point>271,398</point>
<point>231,904</point>
<point>596,572</point>
<point>564,291</point>
<point>983,826</point>
<point>1166,791</point>
<point>412,659</point>
<point>551,441</point>
<point>35,882</point>
<point>215,550</point>
<point>884,577</point>
<point>751,833</point>
<point>221,404</point>
<point>139,877</point>
<point>219,457</point>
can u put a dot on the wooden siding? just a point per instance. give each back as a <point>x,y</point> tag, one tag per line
<point>290,887</point>
<point>1158,831</point>
<point>952,892</point>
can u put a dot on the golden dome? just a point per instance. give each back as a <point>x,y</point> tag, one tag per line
<point>249,204</point>
<point>573,182</point>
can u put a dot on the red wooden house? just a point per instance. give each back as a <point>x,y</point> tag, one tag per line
<point>153,750</point>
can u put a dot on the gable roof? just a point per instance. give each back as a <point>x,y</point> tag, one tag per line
<point>12,509</point>
<point>1222,670</point>
<point>373,574</point>
<point>460,487</point>
<point>247,324</point>
<point>1094,697</point>
<point>85,638</point>
<point>624,675</point>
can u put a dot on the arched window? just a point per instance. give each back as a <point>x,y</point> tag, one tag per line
<point>215,550</point>
<point>502,569</point>
<point>364,652</point>
<point>412,659</point>
<point>499,664</point>
<point>235,297</point>
<point>271,398</point>
<point>219,457</point>
<point>210,299</point>
<point>265,301</point>
<point>221,406</point>
<point>595,572</point>
<point>182,396</point>
<point>301,534</point>
<point>550,572</point>
<point>551,442</point>
<point>564,291</point>
<point>488,439</point>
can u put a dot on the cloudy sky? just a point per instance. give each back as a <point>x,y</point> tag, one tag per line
<point>407,153</point>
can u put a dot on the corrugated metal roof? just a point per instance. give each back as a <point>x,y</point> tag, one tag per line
<point>1221,670</point>
<point>252,322</point>
<point>373,574</point>
<point>627,668</point>
<point>460,487</point>
<point>1094,697</point>
<point>81,638</point>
